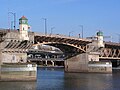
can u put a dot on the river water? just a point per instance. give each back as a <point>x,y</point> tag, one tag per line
<point>57,79</point>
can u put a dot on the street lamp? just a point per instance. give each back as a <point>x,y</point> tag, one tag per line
<point>45,20</point>
<point>82,30</point>
<point>12,25</point>
<point>14,14</point>
<point>70,33</point>
<point>79,35</point>
<point>52,30</point>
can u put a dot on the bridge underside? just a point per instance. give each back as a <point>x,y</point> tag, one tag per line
<point>69,51</point>
<point>115,61</point>
<point>59,41</point>
<point>69,46</point>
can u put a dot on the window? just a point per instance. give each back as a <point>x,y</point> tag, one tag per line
<point>23,21</point>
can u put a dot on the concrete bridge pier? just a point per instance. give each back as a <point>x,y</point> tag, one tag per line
<point>87,62</point>
<point>77,63</point>
<point>0,65</point>
<point>0,71</point>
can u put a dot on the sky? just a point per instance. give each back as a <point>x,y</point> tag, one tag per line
<point>65,16</point>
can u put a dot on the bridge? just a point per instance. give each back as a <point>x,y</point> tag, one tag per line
<point>74,45</point>
<point>82,51</point>
<point>80,54</point>
<point>91,54</point>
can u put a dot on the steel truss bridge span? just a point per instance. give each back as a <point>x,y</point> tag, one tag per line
<point>63,41</point>
<point>78,45</point>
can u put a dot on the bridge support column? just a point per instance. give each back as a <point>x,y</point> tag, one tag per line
<point>0,69</point>
<point>53,64</point>
<point>46,62</point>
<point>0,72</point>
<point>0,61</point>
<point>77,63</point>
<point>87,62</point>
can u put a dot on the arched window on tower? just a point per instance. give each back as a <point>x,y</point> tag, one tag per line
<point>23,28</point>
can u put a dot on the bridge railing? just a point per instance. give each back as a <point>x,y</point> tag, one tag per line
<point>62,36</point>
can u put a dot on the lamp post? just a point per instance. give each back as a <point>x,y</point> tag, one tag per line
<point>70,33</point>
<point>79,35</point>
<point>119,38</point>
<point>45,22</point>
<point>12,25</point>
<point>52,30</point>
<point>82,30</point>
<point>14,14</point>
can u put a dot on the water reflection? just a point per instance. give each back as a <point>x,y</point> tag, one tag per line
<point>85,81</point>
<point>17,85</point>
<point>50,79</point>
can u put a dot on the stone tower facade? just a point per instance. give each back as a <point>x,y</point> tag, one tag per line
<point>100,39</point>
<point>23,28</point>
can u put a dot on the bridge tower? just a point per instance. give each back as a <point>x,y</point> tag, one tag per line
<point>23,28</point>
<point>100,39</point>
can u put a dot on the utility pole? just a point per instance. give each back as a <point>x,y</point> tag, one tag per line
<point>119,38</point>
<point>81,30</point>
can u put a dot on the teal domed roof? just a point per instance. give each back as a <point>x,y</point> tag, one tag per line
<point>100,33</point>
<point>23,18</point>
